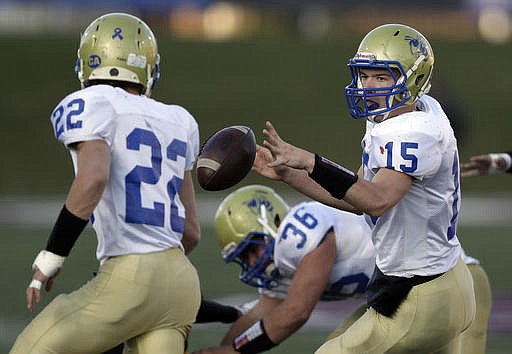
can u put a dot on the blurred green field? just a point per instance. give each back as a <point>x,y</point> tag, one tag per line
<point>297,84</point>
<point>19,245</point>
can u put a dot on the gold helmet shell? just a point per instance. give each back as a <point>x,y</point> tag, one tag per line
<point>118,47</point>
<point>238,213</point>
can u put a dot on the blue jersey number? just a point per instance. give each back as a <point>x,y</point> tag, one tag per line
<point>405,148</point>
<point>360,280</point>
<point>74,108</point>
<point>306,219</point>
<point>135,212</point>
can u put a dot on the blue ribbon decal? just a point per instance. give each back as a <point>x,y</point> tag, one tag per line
<point>117,33</point>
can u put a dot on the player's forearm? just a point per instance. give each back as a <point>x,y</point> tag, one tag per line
<point>280,326</point>
<point>192,232</point>
<point>300,181</point>
<point>238,327</point>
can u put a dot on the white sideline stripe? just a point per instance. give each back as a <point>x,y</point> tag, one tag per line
<point>475,211</point>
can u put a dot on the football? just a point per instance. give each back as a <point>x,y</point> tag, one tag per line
<point>226,157</point>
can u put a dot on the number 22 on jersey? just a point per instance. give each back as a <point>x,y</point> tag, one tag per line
<point>65,118</point>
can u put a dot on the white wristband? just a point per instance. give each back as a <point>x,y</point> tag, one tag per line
<point>508,160</point>
<point>35,284</point>
<point>495,157</point>
<point>48,263</point>
<point>493,168</point>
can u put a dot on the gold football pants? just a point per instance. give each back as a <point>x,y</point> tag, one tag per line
<point>475,337</point>
<point>148,300</point>
<point>429,320</point>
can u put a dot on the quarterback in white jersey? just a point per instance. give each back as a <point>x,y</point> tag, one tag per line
<point>417,236</point>
<point>295,257</point>
<point>421,295</point>
<point>133,158</point>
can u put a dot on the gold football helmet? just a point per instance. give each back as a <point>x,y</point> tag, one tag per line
<point>118,47</point>
<point>406,54</point>
<point>250,216</point>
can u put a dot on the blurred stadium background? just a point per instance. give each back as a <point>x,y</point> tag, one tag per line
<point>244,62</point>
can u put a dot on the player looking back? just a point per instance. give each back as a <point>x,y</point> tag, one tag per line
<point>421,296</point>
<point>132,157</point>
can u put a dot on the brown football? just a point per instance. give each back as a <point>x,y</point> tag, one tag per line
<point>226,158</point>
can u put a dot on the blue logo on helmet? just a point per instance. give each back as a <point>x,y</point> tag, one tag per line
<point>417,45</point>
<point>94,61</point>
<point>255,204</point>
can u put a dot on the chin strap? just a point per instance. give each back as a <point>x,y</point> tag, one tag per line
<point>263,220</point>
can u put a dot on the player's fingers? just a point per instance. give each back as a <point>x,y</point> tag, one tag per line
<point>277,162</point>
<point>480,158</point>
<point>33,293</point>
<point>473,165</point>
<point>482,161</point>
<point>271,133</point>
<point>271,148</point>
<point>470,173</point>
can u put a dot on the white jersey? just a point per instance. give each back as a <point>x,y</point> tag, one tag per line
<point>300,233</point>
<point>152,145</point>
<point>418,235</point>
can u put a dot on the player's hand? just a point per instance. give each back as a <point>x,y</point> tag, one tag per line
<point>225,349</point>
<point>286,154</point>
<point>33,292</point>
<point>261,161</point>
<point>482,165</point>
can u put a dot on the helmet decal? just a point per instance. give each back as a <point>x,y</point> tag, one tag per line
<point>94,61</point>
<point>138,61</point>
<point>417,45</point>
<point>256,202</point>
<point>117,33</point>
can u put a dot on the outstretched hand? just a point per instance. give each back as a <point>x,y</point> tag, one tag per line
<point>482,165</point>
<point>285,154</point>
<point>261,164</point>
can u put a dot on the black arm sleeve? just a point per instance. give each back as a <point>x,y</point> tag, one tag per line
<point>510,168</point>
<point>211,311</point>
<point>65,232</point>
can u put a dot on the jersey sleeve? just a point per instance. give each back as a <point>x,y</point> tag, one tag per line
<point>414,149</point>
<point>300,233</point>
<point>81,117</point>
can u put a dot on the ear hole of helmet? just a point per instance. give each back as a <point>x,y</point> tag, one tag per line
<point>277,220</point>
<point>419,79</point>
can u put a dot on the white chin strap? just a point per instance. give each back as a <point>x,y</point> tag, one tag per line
<point>262,219</point>
<point>383,115</point>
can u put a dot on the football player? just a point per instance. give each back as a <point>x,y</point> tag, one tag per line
<point>421,297</point>
<point>488,164</point>
<point>133,158</point>
<point>296,257</point>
